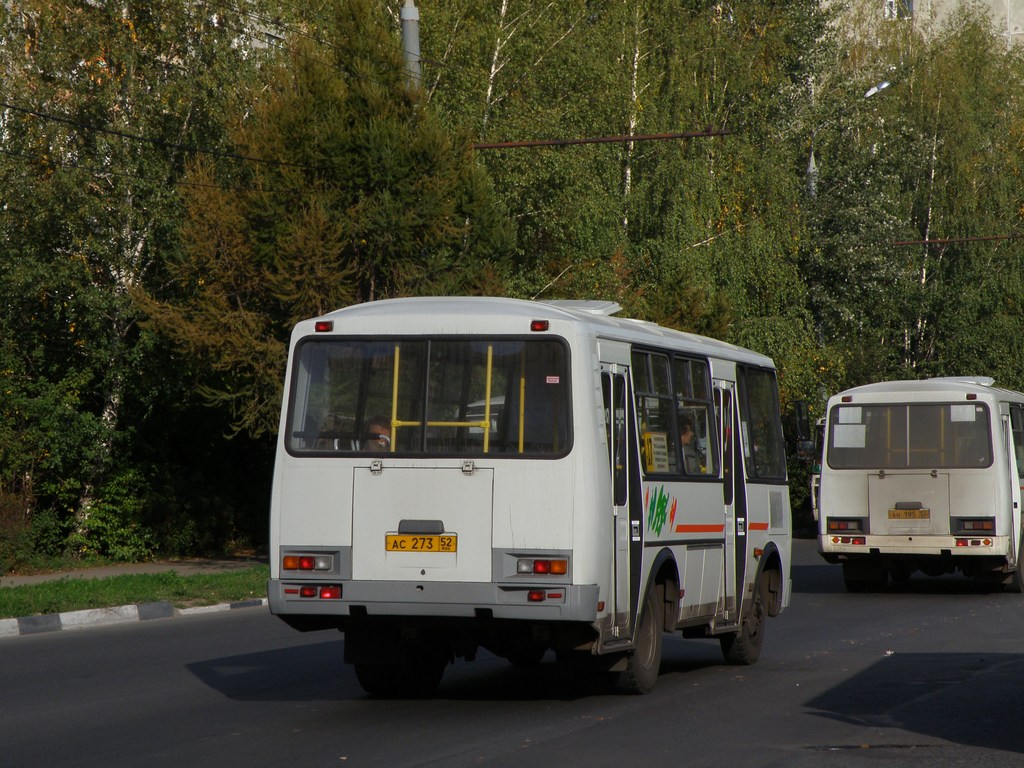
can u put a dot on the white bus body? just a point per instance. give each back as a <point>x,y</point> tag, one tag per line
<point>532,494</point>
<point>923,475</point>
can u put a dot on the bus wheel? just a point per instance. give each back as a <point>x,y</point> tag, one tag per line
<point>744,647</point>
<point>412,680</point>
<point>644,662</point>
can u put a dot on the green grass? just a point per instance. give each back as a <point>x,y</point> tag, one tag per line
<point>74,594</point>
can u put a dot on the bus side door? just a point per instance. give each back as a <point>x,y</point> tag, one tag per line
<point>734,500</point>
<point>627,509</point>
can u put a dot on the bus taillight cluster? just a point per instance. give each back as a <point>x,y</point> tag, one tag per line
<point>307,562</point>
<point>542,567</point>
<point>321,591</point>
<point>847,525</point>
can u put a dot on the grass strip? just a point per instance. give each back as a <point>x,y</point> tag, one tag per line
<point>75,594</point>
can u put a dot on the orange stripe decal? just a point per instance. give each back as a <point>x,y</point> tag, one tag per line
<point>758,526</point>
<point>700,528</point>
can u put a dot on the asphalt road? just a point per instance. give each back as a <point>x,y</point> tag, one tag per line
<point>931,675</point>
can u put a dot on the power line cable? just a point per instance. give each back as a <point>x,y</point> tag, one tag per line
<point>158,142</point>
<point>707,133</point>
<point>100,172</point>
<point>949,240</point>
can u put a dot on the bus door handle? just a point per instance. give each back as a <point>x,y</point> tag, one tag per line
<point>634,529</point>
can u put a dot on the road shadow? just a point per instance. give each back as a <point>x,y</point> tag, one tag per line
<point>826,578</point>
<point>306,672</point>
<point>316,672</point>
<point>817,579</point>
<point>969,699</point>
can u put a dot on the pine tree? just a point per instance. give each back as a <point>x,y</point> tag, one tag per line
<point>352,191</point>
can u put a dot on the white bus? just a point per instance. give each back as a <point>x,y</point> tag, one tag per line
<point>464,473</point>
<point>923,476</point>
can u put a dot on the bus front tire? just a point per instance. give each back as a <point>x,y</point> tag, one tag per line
<point>744,647</point>
<point>644,662</point>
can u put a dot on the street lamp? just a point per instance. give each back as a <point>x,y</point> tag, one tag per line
<point>812,166</point>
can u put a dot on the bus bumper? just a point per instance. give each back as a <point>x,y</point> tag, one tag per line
<point>315,598</point>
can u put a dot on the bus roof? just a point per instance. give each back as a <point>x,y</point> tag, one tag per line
<point>931,388</point>
<point>436,314</point>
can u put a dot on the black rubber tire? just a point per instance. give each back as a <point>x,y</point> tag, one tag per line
<point>644,662</point>
<point>744,647</point>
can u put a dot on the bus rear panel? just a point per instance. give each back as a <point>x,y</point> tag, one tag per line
<point>922,476</point>
<point>456,474</point>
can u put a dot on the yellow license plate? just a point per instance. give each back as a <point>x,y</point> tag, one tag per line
<point>909,514</point>
<point>401,542</point>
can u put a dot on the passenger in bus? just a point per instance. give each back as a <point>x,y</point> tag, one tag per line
<point>378,436</point>
<point>691,459</point>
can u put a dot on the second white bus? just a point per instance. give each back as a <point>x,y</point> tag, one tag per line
<point>525,477</point>
<point>923,476</point>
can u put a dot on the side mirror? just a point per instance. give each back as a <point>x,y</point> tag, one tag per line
<point>805,450</point>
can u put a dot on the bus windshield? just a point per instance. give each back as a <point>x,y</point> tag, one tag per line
<point>437,396</point>
<point>909,436</point>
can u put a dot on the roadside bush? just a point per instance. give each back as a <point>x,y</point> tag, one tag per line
<point>110,529</point>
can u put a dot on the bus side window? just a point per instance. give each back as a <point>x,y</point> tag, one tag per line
<point>654,409</point>
<point>692,387</point>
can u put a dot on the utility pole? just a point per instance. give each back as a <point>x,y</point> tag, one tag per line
<point>411,40</point>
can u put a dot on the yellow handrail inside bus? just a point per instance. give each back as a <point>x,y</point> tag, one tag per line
<point>522,397</point>
<point>394,400</point>
<point>487,399</point>
<point>483,424</point>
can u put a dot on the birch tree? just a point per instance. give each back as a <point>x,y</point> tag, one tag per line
<point>100,103</point>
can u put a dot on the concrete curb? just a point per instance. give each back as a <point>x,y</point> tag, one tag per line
<point>95,617</point>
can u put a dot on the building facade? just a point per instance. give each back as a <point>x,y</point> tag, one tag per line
<point>1007,15</point>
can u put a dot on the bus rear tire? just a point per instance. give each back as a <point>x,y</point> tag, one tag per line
<point>644,662</point>
<point>744,647</point>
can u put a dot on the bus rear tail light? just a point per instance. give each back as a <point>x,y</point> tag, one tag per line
<point>844,524</point>
<point>323,592</point>
<point>856,540</point>
<point>307,562</point>
<point>974,542</point>
<point>542,567</point>
<point>974,525</point>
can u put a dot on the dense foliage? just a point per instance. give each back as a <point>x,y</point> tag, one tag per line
<point>183,179</point>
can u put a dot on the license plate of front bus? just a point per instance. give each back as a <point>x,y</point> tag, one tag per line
<point>909,514</point>
<point>404,542</point>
